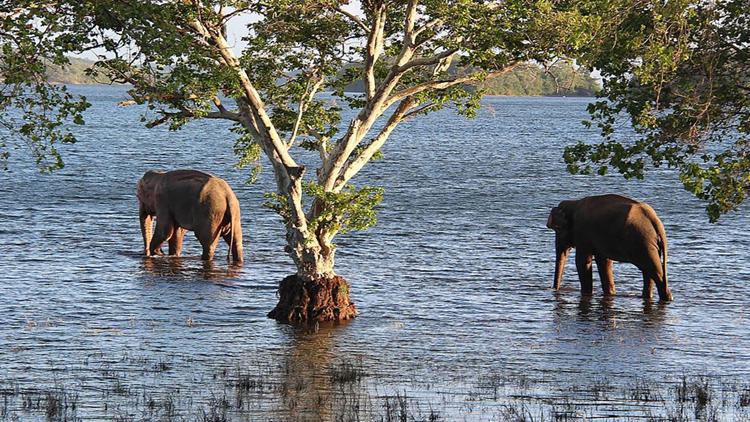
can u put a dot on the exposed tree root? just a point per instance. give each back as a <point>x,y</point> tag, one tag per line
<point>301,301</point>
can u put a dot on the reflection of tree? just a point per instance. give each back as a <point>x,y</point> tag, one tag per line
<point>315,387</point>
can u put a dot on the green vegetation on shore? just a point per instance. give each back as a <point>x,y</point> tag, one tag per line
<point>74,73</point>
<point>560,79</point>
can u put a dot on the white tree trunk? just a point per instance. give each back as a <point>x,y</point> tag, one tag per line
<point>313,260</point>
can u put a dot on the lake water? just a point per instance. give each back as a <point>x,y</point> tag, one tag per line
<point>452,284</point>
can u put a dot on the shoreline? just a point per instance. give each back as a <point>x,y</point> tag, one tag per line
<point>86,84</point>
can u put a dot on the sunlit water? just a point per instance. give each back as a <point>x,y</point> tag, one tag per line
<point>452,284</point>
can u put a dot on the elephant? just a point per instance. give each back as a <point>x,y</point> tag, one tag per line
<point>610,228</point>
<point>182,200</point>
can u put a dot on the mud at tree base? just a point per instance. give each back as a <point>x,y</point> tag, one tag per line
<point>308,301</point>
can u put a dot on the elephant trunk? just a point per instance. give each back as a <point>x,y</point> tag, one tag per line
<point>560,261</point>
<point>146,230</point>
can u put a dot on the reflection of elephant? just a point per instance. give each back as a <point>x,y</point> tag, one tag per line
<point>188,200</point>
<point>610,227</point>
<point>181,268</point>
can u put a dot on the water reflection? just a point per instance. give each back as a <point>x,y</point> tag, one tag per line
<point>316,387</point>
<point>190,268</point>
<point>655,311</point>
<point>608,309</point>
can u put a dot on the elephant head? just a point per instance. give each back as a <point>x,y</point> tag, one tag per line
<point>145,192</point>
<point>561,221</point>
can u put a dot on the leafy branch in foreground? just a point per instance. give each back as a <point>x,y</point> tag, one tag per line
<point>679,71</point>
<point>34,35</point>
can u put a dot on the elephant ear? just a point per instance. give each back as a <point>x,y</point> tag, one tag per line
<point>145,191</point>
<point>557,219</point>
<point>142,191</point>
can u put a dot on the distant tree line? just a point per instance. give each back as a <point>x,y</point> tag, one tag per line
<point>528,79</point>
<point>74,73</point>
<point>559,79</point>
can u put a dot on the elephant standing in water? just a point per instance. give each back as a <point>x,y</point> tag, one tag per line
<point>188,200</point>
<point>610,227</point>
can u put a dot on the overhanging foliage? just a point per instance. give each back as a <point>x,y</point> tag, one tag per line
<point>680,72</point>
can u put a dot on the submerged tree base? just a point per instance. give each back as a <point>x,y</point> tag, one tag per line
<point>302,301</point>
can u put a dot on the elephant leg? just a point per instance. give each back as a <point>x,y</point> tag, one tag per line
<point>653,271</point>
<point>208,235</point>
<point>147,229</point>
<point>234,240</point>
<point>209,250</point>
<point>585,275</point>
<point>606,275</point>
<point>230,243</point>
<point>175,242</point>
<point>665,295</point>
<point>660,280</point>
<point>164,230</point>
<point>648,284</point>
<point>226,234</point>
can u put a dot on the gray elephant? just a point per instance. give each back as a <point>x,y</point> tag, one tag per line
<point>182,200</point>
<point>610,227</point>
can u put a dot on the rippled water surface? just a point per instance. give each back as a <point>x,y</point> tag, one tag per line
<point>452,284</point>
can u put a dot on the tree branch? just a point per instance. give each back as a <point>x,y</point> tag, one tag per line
<point>225,18</point>
<point>428,61</point>
<point>374,48</point>
<point>307,97</point>
<point>424,109</point>
<point>261,120</point>
<point>187,113</point>
<point>354,18</point>
<point>219,105</point>
<point>288,173</point>
<point>322,144</point>
<point>323,149</point>
<point>354,166</point>
<point>411,17</point>
<point>374,107</point>
<point>427,26</point>
<point>445,84</point>
<point>223,112</point>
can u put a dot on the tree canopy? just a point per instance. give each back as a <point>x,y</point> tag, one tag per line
<point>34,35</point>
<point>680,72</point>
<point>677,70</point>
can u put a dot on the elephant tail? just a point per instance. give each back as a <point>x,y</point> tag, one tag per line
<point>231,234</point>
<point>662,246</point>
<point>235,230</point>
